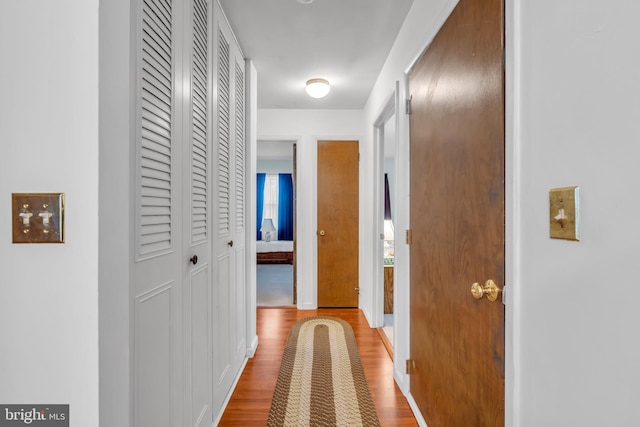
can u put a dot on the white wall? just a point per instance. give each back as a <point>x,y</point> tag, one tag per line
<point>251,195</point>
<point>115,313</point>
<point>49,139</point>
<point>576,123</point>
<point>273,166</point>
<point>306,127</point>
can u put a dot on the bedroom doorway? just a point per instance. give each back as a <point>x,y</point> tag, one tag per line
<point>385,138</point>
<point>275,238</point>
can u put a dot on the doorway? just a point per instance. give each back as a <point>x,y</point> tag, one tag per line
<point>338,223</point>
<point>276,210</point>
<point>385,141</point>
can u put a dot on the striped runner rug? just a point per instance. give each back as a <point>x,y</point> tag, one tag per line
<point>321,381</point>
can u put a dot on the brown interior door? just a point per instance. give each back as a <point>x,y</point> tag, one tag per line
<point>457,220</point>
<point>338,223</point>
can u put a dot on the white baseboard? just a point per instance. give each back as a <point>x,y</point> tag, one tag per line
<point>251,350</point>
<point>217,418</point>
<point>368,317</point>
<point>416,411</point>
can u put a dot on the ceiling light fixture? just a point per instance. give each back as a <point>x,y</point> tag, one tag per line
<point>318,88</point>
<point>305,1</point>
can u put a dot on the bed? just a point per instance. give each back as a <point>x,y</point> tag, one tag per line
<point>274,252</point>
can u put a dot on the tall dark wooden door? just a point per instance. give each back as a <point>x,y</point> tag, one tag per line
<point>338,191</point>
<point>457,220</point>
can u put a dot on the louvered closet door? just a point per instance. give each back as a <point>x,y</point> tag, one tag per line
<point>197,220</point>
<point>229,246</point>
<point>158,262</point>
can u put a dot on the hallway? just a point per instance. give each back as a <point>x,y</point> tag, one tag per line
<point>251,400</point>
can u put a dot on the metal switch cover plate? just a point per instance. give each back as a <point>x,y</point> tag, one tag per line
<point>37,217</point>
<point>564,213</point>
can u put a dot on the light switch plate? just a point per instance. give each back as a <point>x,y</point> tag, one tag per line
<point>564,213</point>
<point>37,217</point>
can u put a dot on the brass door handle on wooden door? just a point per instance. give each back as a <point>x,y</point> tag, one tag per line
<point>321,232</point>
<point>490,289</point>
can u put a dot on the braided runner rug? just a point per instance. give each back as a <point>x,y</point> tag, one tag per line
<point>321,381</point>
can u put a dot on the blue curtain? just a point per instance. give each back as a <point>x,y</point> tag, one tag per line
<point>285,207</point>
<point>260,204</point>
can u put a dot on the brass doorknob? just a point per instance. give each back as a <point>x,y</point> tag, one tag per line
<point>490,289</point>
<point>321,232</point>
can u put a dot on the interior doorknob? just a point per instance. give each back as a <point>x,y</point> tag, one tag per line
<point>321,232</point>
<point>490,289</point>
<point>194,259</point>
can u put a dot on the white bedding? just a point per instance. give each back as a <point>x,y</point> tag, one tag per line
<point>274,246</point>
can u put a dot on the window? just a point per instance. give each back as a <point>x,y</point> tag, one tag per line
<point>271,201</point>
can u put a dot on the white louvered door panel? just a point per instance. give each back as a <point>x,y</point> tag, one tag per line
<point>229,247</point>
<point>239,146</point>
<point>223,278</point>
<point>197,212</point>
<point>158,268</point>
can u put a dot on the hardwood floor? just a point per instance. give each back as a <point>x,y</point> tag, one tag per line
<point>251,400</point>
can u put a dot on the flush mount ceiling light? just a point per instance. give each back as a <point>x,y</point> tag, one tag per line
<point>305,1</point>
<point>318,88</point>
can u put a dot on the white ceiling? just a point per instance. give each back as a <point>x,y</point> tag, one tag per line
<point>343,41</point>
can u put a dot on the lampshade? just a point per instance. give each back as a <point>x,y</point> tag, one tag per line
<point>388,230</point>
<point>318,88</point>
<point>267,225</point>
<point>267,229</point>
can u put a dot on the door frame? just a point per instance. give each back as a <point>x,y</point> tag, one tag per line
<point>391,108</point>
<point>295,142</point>
<point>513,155</point>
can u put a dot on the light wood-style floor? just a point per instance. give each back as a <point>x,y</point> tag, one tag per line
<point>251,400</point>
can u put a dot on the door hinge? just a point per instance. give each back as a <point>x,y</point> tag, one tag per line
<point>407,105</point>
<point>410,366</point>
<point>409,237</point>
<point>358,156</point>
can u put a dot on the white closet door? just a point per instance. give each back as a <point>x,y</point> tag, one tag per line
<point>197,292</point>
<point>188,274</point>
<point>228,247</point>
<point>222,254</point>
<point>158,263</point>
